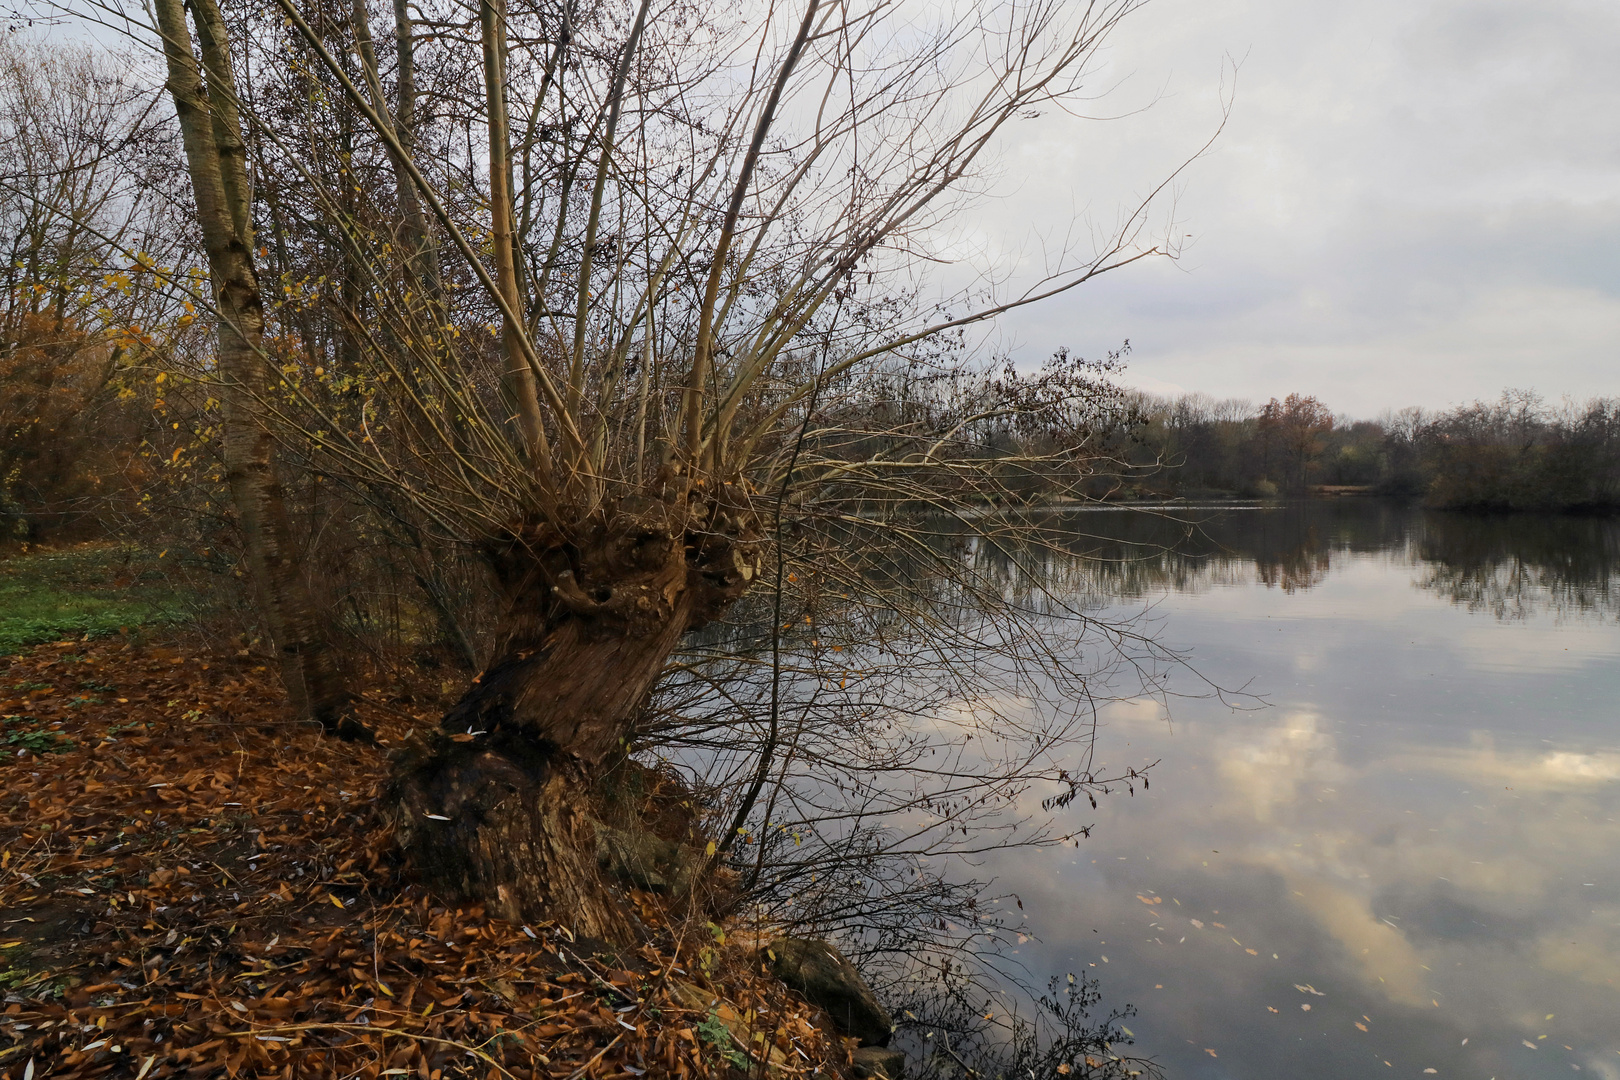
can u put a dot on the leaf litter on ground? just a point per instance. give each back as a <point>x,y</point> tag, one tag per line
<point>192,886</point>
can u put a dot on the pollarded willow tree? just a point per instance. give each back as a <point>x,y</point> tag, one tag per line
<point>621,283</point>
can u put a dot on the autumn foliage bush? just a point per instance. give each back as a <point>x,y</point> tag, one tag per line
<point>58,452</point>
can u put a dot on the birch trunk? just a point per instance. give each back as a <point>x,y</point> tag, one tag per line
<point>211,133</point>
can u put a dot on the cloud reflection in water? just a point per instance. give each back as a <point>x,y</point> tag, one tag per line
<point>1422,826</point>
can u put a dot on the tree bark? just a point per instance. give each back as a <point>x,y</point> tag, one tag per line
<point>211,134</point>
<point>506,803</point>
<point>517,380</point>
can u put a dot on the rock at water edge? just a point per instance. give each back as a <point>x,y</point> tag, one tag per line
<point>829,982</point>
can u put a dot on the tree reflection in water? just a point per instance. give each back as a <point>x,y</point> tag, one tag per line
<point>1512,566</point>
<point>1515,566</point>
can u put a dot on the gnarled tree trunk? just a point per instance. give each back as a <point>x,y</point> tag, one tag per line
<point>502,805</point>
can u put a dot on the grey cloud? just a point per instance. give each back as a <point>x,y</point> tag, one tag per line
<point>1413,203</point>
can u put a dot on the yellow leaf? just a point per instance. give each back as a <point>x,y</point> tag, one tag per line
<point>335,901</point>
<point>711,849</point>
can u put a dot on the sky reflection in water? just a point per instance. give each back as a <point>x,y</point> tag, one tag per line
<point>1421,825</point>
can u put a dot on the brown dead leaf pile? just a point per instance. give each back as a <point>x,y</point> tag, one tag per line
<point>190,886</point>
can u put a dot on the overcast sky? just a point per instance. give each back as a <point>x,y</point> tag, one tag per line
<point>1416,202</point>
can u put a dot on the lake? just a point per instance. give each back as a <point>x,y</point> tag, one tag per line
<point>1401,855</point>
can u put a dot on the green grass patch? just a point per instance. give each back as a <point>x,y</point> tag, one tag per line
<point>95,590</point>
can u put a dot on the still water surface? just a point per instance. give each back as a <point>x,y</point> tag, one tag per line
<point>1405,859</point>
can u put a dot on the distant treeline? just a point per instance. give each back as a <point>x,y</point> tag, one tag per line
<point>1518,452</point>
